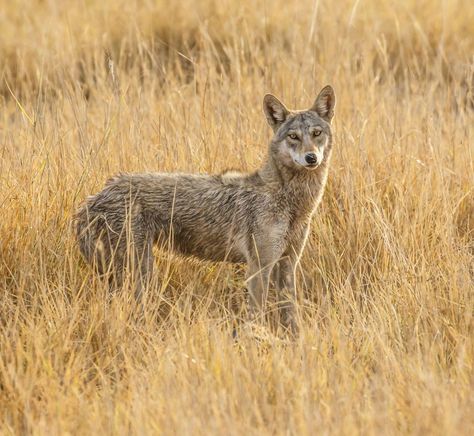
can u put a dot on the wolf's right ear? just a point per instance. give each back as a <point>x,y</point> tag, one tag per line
<point>275,111</point>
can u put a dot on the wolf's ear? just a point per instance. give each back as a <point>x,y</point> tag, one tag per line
<point>324,103</point>
<point>275,111</point>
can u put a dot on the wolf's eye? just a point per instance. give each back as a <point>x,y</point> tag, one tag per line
<point>293,136</point>
<point>317,132</point>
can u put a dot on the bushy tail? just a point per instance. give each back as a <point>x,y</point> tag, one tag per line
<point>86,231</point>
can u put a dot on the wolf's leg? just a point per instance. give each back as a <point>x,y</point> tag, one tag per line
<point>286,289</point>
<point>260,265</point>
<point>112,264</point>
<point>108,247</point>
<point>130,256</point>
<point>264,254</point>
<point>144,268</point>
<point>258,278</point>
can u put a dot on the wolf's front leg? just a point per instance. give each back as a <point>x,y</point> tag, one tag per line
<point>258,279</point>
<point>285,284</point>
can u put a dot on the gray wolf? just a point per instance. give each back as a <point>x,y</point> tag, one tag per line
<point>261,219</point>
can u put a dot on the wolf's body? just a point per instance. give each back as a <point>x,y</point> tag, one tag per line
<point>261,219</point>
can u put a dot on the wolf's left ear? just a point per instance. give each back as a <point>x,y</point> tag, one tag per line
<point>275,111</point>
<point>324,103</point>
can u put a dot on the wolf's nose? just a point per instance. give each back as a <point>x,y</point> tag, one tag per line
<point>311,158</point>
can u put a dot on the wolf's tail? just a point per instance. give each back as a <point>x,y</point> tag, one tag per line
<point>85,225</point>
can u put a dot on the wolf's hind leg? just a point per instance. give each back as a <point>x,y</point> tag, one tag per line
<point>108,261</point>
<point>144,268</point>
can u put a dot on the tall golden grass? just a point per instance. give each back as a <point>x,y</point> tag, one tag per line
<point>386,291</point>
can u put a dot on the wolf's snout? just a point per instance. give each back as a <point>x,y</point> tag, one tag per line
<point>311,158</point>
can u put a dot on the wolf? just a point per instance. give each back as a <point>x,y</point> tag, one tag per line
<point>261,219</point>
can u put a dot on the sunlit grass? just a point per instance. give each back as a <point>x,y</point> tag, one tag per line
<point>386,284</point>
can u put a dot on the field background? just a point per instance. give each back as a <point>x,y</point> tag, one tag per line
<point>90,88</point>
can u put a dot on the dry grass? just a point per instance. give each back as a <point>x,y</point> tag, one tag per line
<point>386,283</point>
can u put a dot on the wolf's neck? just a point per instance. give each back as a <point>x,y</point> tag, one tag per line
<point>303,189</point>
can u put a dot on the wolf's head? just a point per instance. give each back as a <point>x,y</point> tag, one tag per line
<point>302,139</point>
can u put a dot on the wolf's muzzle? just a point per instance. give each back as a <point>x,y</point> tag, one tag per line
<point>311,159</point>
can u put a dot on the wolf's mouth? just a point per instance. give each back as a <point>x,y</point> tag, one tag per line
<point>306,165</point>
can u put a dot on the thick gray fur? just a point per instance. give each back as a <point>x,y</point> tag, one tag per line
<point>262,219</point>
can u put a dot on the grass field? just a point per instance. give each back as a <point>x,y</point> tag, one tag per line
<point>386,284</point>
